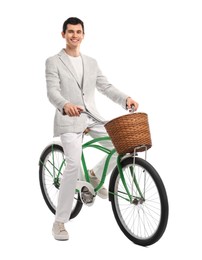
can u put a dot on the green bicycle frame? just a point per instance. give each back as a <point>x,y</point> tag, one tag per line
<point>94,144</point>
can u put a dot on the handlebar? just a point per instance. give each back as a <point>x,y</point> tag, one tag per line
<point>94,117</point>
<point>131,110</point>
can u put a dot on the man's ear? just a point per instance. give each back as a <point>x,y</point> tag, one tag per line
<point>63,34</point>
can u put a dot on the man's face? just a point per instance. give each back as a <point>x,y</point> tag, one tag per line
<point>73,35</point>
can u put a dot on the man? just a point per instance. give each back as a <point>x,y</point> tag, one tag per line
<point>71,82</point>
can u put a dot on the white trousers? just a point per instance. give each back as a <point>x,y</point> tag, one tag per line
<point>72,145</point>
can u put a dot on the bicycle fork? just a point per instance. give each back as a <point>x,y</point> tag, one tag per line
<point>140,197</point>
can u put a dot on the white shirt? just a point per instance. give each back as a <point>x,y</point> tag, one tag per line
<point>78,66</point>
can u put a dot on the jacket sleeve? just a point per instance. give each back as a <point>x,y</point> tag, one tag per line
<point>53,85</point>
<point>109,90</point>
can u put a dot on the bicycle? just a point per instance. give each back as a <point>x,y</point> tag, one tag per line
<point>137,194</point>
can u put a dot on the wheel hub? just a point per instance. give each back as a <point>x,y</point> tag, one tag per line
<point>137,201</point>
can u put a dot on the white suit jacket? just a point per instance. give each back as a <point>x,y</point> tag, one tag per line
<point>63,87</point>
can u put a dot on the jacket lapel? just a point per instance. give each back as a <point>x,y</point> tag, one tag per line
<point>64,58</point>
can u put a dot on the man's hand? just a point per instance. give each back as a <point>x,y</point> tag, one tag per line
<point>72,110</point>
<point>130,102</point>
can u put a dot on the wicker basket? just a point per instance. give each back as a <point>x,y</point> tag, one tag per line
<point>130,131</point>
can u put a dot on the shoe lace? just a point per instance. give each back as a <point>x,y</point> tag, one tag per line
<point>61,226</point>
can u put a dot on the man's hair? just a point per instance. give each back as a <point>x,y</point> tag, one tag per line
<point>74,21</point>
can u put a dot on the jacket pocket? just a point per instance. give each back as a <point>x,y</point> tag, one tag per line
<point>63,120</point>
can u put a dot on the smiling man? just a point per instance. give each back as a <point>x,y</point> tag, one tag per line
<point>71,82</point>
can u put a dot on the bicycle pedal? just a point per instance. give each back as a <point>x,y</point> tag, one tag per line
<point>86,196</point>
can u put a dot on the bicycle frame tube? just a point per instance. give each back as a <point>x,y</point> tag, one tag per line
<point>93,144</point>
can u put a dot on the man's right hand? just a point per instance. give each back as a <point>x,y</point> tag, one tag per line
<point>72,110</point>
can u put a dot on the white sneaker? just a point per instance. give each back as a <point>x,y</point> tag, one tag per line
<point>59,232</point>
<point>102,192</point>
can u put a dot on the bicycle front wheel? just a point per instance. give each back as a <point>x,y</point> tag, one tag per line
<point>51,166</point>
<point>142,211</point>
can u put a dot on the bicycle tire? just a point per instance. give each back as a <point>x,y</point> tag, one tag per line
<point>143,222</point>
<point>52,187</point>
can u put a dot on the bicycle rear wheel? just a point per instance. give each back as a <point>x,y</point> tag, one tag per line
<point>143,218</point>
<point>51,166</point>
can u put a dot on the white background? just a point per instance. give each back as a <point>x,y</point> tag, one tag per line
<point>150,50</point>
